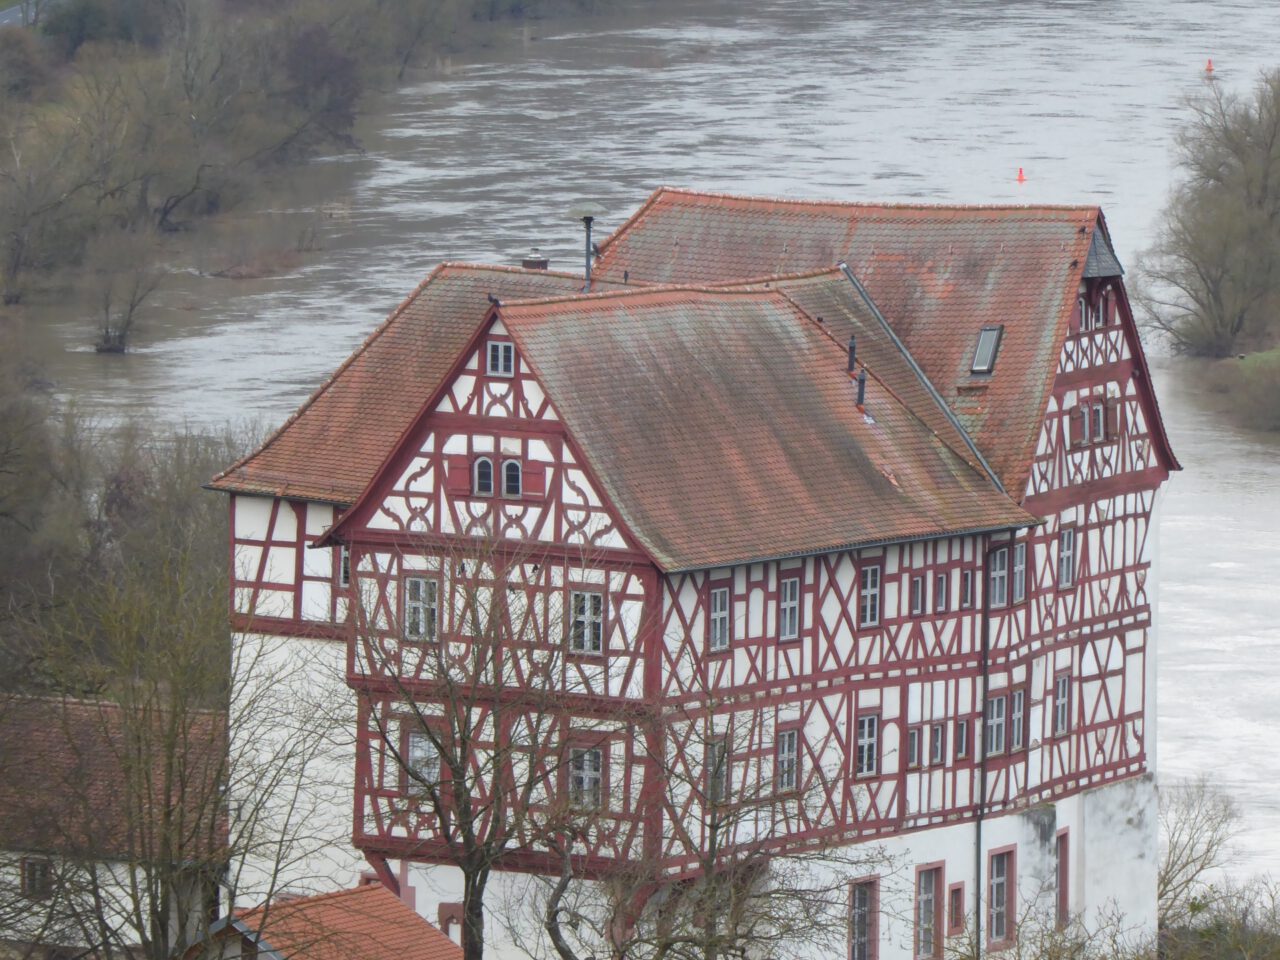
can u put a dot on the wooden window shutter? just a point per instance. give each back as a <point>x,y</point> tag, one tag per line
<point>535,480</point>
<point>458,476</point>
<point>1076,433</point>
<point>1113,418</point>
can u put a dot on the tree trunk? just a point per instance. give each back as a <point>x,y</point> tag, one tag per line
<point>473,914</point>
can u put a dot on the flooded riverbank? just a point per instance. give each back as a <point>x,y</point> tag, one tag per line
<point>930,101</point>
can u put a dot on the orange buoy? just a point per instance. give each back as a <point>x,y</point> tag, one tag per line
<point>1022,177</point>
<point>1208,67</point>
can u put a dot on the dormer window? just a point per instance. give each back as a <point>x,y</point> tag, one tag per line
<point>984,355</point>
<point>482,477</point>
<point>511,486</point>
<point>502,358</point>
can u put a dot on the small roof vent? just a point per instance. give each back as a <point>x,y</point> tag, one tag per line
<point>534,260</point>
<point>984,354</point>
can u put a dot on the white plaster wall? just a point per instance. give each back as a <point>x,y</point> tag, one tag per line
<point>1112,867</point>
<point>293,760</point>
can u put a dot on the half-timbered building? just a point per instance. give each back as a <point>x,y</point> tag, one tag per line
<point>846,507</point>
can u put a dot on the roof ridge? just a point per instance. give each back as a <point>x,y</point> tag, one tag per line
<point>87,702</point>
<point>653,289</point>
<point>895,205</point>
<point>311,898</point>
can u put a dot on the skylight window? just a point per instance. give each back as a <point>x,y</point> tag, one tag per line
<point>984,355</point>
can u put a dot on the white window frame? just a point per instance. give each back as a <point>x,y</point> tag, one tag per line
<point>867,756</point>
<point>586,777</point>
<point>869,596</point>
<point>994,728</point>
<point>789,609</point>
<point>914,736</point>
<point>422,763</point>
<point>787,761</point>
<point>476,488</point>
<point>344,566</point>
<point>862,907</point>
<point>586,622</point>
<point>719,604</point>
<point>1062,705</point>
<point>1017,719</point>
<point>1095,419</point>
<point>917,595</point>
<point>937,745</point>
<point>998,898</point>
<point>715,761</point>
<point>519,475</point>
<point>962,738</point>
<point>501,360</point>
<point>926,939</point>
<point>421,614</point>
<point>941,588</point>
<point>998,584</point>
<point>1019,572</point>
<point>1067,557</point>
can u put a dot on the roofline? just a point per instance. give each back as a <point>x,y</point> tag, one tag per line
<point>217,482</point>
<point>639,291</point>
<point>924,380</point>
<point>841,204</point>
<point>861,545</point>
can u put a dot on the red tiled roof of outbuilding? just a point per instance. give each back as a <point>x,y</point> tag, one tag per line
<point>332,446</point>
<point>723,427</point>
<point>938,274</point>
<point>366,923</point>
<point>114,783</point>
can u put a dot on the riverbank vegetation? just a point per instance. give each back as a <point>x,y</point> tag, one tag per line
<point>1211,283</point>
<point>123,121</point>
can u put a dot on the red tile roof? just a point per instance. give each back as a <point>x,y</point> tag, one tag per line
<point>938,274</point>
<point>367,923</point>
<point>92,780</point>
<point>723,427</point>
<point>331,448</point>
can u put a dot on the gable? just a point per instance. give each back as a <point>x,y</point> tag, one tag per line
<point>330,449</point>
<point>481,423</point>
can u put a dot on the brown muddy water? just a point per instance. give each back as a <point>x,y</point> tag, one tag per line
<point>935,100</point>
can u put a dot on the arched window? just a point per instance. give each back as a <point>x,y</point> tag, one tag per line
<point>511,478</point>
<point>1082,305</point>
<point>1104,309</point>
<point>482,477</point>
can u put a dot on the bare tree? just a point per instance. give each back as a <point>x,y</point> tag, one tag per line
<point>1197,825</point>
<point>164,789</point>
<point>470,693</point>
<point>734,869</point>
<point>1211,280</point>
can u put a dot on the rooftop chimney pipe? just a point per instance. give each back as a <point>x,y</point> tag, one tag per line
<point>535,260</point>
<point>862,386</point>
<point>853,352</point>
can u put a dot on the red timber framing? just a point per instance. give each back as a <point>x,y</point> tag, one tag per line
<point>656,695</point>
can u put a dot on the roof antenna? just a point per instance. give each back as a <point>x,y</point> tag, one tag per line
<point>587,211</point>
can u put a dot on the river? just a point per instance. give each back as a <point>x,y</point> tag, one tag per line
<point>923,100</point>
